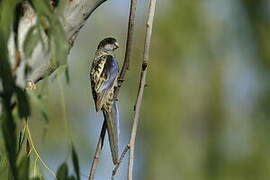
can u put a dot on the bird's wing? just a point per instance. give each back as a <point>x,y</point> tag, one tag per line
<point>109,74</point>
<point>103,79</point>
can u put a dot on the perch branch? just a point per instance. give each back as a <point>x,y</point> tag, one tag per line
<point>129,43</point>
<point>120,160</point>
<point>98,151</point>
<point>142,84</point>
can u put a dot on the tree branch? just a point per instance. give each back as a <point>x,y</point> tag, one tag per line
<point>129,43</point>
<point>141,86</point>
<point>98,151</point>
<point>120,160</point>
<point>75,14</point>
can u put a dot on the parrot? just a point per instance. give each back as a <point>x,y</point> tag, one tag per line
<point>103,76</point>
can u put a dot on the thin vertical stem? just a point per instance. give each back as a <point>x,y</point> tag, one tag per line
<point>129,44</point>
<point>142,84</point>
<point>35,150</point>
<point>98,151</point>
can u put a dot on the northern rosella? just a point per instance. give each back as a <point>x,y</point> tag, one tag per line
<point>103,76</point>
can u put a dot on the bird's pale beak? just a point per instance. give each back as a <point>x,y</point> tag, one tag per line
<point>116,45</point>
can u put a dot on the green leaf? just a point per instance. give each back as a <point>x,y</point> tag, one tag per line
<point>21,140</point>
<point>8,130</point>
<point>60,70</point>
<point>27,147</point>
<point>59,41</point>
<point>67,75</point>
<point>31,41</point>
<point>42,7</point>
<point>40,33</point>
<point>72,178</point>
<point>23,104</point>
<point>38,99</point>
<point>6,17</point>
<point>3,162</point>
<point>23,168</point>
<point>44,116</point>
<point>75,161</point>
<point>36,178</point>
<point>62,172</point>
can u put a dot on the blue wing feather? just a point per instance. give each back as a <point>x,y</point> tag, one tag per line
<point>112,121</point>
<point>103,83</point>
<point>111,69</point>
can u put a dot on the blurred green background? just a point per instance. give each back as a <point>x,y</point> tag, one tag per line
<point>205,112</point>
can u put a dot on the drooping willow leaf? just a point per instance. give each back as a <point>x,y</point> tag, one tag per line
<point>75,161</point>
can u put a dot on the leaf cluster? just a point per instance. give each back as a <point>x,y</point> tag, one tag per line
<point>49,32</point>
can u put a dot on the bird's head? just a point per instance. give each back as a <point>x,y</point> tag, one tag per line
<point>108,44</point>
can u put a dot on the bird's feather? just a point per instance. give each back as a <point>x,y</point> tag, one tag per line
<point>103,76</point>
<point>112,121</point>
<point>109,74</point>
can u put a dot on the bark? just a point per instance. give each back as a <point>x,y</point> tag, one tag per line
<point>76,12</point>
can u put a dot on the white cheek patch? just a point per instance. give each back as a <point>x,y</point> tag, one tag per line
<point>109,47</point>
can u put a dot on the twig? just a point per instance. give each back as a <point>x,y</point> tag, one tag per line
<point>121,77</point>
<point>141,86</point>
<point>35,150</point>
<point>120,160</point>
<point>98,151</point>
<point>129,43</point>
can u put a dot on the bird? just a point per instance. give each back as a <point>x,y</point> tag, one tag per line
<point>103,76</point>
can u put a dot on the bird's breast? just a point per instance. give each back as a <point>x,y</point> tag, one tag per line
<point>97,69</point>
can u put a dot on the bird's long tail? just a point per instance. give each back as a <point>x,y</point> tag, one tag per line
<point>112,121</point>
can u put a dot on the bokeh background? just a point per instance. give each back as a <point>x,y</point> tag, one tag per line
<point>205,112</point>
